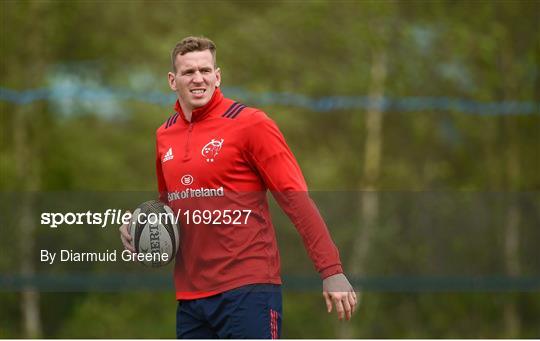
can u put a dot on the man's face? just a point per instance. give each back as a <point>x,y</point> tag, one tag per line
<point>196,78</point>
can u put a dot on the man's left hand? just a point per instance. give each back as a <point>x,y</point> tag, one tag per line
<point>339,292</point>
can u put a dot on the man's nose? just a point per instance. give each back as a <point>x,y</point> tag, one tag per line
<point>198,78</point>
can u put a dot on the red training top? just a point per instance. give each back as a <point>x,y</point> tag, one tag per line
<point>221,163</point>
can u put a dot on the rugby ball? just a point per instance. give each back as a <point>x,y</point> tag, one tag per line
<point>154,233</point>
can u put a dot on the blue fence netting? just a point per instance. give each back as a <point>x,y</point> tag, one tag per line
<point>77,92</point>
<point>127,282</point>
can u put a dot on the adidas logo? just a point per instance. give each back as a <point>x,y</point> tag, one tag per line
<point>168,155</point>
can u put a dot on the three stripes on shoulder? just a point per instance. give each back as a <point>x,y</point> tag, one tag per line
<point>234,110</point>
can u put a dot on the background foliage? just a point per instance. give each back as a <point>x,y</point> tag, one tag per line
<point>70,122</point>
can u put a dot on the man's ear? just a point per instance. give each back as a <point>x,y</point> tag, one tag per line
<point>172,81</point>
<point>218,76</point>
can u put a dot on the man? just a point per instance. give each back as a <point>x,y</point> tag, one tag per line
<point>219,157</point>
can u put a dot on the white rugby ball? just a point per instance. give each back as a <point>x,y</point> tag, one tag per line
<point>154,233</point>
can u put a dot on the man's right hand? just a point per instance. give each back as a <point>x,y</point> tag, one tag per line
<point>125,236</point>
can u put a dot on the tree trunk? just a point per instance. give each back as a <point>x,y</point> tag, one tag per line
<point>369,204</point>
<point>26,163</point>
<point>510,88</point>
<point>369,198</point>
<point>512,323</point>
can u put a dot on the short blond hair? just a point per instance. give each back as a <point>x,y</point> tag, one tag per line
<point>191,44</point>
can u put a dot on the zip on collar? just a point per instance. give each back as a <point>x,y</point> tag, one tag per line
<point>200,113</point>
